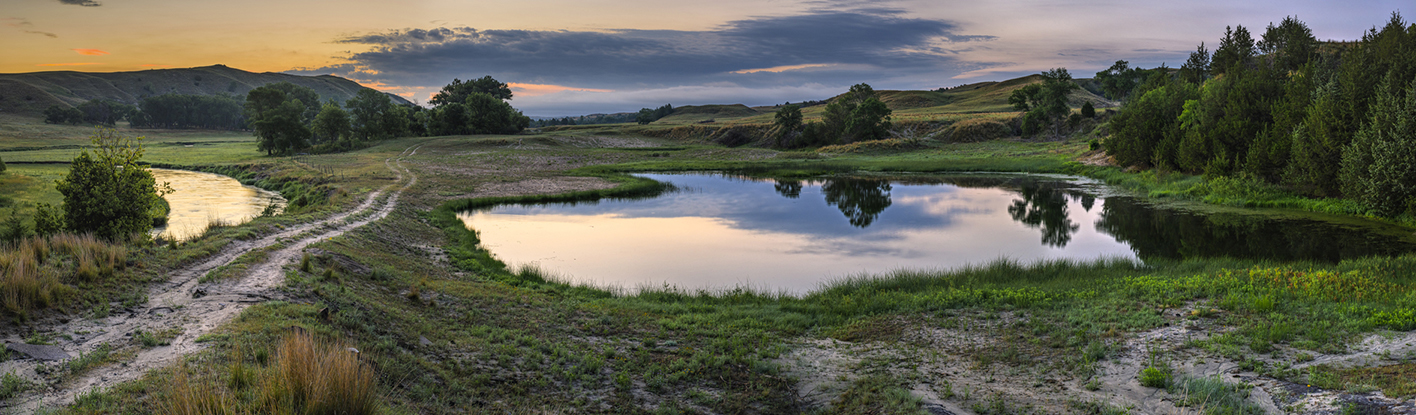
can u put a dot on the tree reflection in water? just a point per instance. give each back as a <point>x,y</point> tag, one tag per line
<point>1045,207</point>
<point>861,200</point>
<point>790,189</point>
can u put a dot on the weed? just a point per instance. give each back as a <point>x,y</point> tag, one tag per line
<point>11,385</point>
<point>322,377</point>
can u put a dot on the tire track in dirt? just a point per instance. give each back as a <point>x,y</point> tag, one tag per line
<point>171,304</point>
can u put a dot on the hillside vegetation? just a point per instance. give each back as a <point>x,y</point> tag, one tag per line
<point>948,103</point>
<point>31,93</point>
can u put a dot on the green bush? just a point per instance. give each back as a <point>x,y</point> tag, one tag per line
<point>1153,377</point>
<point>979,129</point>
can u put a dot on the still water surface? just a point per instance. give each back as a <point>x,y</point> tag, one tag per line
<point>720,231</point>
<point>199,199</point>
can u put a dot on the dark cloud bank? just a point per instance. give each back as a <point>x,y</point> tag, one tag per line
<point>871,45</point>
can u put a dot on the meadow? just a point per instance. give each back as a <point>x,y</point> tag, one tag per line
<point>442,326</point>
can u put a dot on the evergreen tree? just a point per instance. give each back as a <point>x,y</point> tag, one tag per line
<point>1379,166</point>
<point>1197,68</point>
<point>1290,45</point>
<point>1235,49</point>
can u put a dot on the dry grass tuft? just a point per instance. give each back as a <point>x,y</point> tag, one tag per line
<point>322,377</point>
<point>30,269</point>
<point>189,397</point>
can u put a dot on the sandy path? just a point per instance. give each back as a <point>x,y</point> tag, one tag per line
<point>171,304</point>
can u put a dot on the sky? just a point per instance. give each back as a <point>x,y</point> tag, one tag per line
<point>573,57</point>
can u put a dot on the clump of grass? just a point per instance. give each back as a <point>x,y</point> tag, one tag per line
<point>305,263</point>
<point>322,377</point>
<point>188,397</point>
<point>1215,396</point>
<point>11,385</point>
<point>876,395</point>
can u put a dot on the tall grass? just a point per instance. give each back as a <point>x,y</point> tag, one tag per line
<point>322,377</point>
<point>33,270</point>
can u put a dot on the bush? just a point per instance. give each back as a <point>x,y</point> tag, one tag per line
<point>979,129</point>
<point>1152,377</point>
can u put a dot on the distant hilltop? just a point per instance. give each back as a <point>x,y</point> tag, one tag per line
<point>30,93</point>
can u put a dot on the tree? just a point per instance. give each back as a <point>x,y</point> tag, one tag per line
<point>1290,45</point>
<point>1197,68</point>
<point>1236,48</point>
<point>56,114</point>
<point>1045,103</point>
<point>106,191</point>
<point>844,119</point>
<point>331,124</point>
<point>787,123</point>
<point>2,166</point>
<point>1118,81</point>
<point>1088,110</point>
<point>870,120</point>
<point>646,115</point>
<point>1379,166</point>
<point>457,92</point>
<point>277,114</point>
<point>372,113</point>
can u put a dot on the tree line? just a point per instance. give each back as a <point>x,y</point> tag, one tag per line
<point>857,115</point>
<point>286,117</point>
<point>1325,119</point>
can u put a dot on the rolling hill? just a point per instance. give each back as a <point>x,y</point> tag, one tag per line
<point>30,93</point>
<point>977,98</point>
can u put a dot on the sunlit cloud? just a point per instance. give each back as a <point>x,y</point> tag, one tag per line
<point>68,64</point>
<point>91,52</point>
<point>85,3</point>
<point>784,68</point>
<point>532,90</point>
<point>154,65</point>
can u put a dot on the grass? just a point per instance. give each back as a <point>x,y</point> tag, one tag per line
<point>42,272</point>
<point>505,340</point>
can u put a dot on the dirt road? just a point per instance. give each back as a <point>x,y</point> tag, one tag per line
<point>172,304</point>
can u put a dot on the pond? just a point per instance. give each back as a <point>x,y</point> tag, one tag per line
<point>199,199</point>
<point>718,231</point>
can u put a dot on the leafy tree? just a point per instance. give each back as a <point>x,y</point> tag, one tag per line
<point>870,120</point>
<point>2,166</point>
<point>1147,130</point>
<point>277,114</point>
<point>787,123</point>
<point>56,114</point>
<point>457,92</point>
<point>479,113</point>
<point>1235,48</point>
<point>1088,110</point>
<point>375,116</point>
<point>844,119</point>
<point>1118,81</point>
<point>102,111</point>
<point>331,124</point>
<point>1197,68</point>
<point>106,191</point>
<point>216,112</point>
<point>646,115</point>
<point>1045,103</point>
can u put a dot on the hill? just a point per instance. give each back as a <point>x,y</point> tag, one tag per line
<point>30,93</point>
<point>977,98</point>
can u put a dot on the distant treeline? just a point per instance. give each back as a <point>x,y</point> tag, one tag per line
<point>586,120</point>
<point>1324,119</point>
<point>288,117</point>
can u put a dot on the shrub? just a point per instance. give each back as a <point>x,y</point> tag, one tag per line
<point>979,129</point>
<point>1153,377</point>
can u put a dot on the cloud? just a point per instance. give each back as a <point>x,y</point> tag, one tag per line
<point>24,25</point>
<point>85,3</point>
<point>91,52</point>
<point>821,47</point>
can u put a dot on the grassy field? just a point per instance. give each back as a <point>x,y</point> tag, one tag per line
<point>446,328</point>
